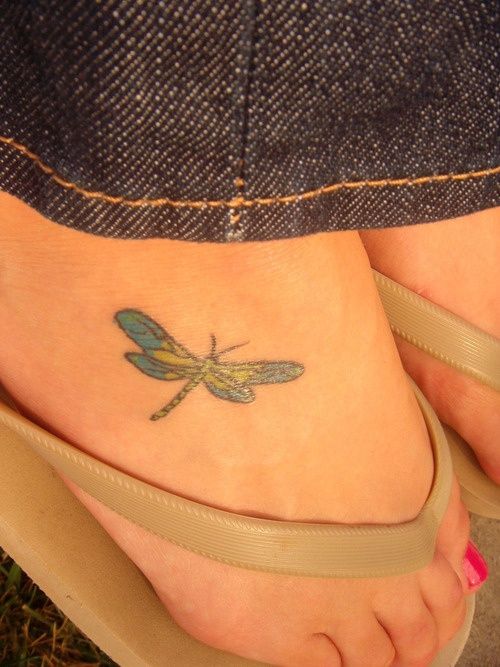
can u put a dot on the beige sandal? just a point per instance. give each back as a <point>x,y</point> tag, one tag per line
<point>458,343</point>
<point>43,527</point>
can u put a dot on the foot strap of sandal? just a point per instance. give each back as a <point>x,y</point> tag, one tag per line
<point>278,546</point>
<point>439,332</point>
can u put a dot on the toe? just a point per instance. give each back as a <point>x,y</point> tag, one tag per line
<point>413,632</point>
<point>363,641</point>
<point>443,594</point>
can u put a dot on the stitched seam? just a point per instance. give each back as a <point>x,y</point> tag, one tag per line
<point>240,202</point>
<point>234,218</point>
<point>206,511</point>
<point>467,370</point>
<point>417,342</point>
<point>235,231</point>
<point>433,308</point>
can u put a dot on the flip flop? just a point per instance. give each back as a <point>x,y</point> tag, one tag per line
<point>463,346</point>
<point>60,545</point>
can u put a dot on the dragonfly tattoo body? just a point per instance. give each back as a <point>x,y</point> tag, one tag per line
<point>164,358</point>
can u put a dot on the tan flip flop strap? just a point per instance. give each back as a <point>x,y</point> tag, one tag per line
<point>440,333</point>
<point>286,547</point>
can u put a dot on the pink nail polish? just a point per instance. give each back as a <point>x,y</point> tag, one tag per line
<point>475,567</point>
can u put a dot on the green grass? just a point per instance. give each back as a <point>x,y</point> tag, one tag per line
<point>33,632</point>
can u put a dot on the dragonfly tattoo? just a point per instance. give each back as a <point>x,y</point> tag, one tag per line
<point>164,358</point>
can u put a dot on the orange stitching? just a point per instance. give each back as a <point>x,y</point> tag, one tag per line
<point>234,218</point>
<point>240,201</point>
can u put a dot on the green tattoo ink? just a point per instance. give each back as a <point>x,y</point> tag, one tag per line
<point>166,359</point>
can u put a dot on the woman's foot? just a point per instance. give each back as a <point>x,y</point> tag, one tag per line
<point>455,264</point>
<point>344,442</point>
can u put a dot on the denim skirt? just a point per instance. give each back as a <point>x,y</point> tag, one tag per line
<point>248,120</point>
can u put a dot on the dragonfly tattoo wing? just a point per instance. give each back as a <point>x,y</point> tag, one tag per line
<point>164,358</point>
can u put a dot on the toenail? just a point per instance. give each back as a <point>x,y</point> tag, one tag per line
<point>475,567</point>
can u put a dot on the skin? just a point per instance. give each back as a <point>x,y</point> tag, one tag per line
<point>456,264</point>
<point>333,445</point>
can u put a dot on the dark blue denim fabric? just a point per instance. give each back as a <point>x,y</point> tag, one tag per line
<point>235,120</point>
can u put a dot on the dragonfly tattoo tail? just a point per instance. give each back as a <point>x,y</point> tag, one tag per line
<point>176,399</point>
<point>163,358</point>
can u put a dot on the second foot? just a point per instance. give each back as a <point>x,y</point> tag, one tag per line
<point>455,264</point>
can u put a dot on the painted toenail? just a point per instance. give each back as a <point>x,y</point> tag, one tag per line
<point>475,567</point>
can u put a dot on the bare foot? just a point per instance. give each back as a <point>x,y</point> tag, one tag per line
<point>344,442</point>
<point>455,264</point>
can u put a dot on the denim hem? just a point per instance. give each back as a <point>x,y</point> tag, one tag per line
<point>368,204</point>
